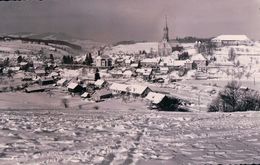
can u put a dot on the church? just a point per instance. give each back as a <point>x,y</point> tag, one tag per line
<point>165,47</point>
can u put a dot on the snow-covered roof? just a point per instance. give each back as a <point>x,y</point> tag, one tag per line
<point>16,68</point>
<point>99,82</point>
<point>40,71</point>
<point>61,81</point>
<point>118,87</point>
<point>231,38</point>
<point>151,60</point>
<point>135,48</point>
<point>116,72</point>
<point>197,57</point>
<point>137,89</point>
<point>85,94</point>
<point>164,68</point>
<point>134,65</point>
<point>128,61</point>
<point>102,92</point>
<point>128,73</point>
<point>179,63</point>
<point>144,70</point>
<point>155,98</point>
<point>23,63</point>
<point>72,85</point>
<point>54,74</point>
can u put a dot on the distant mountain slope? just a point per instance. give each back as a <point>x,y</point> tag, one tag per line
<point>86,44</point>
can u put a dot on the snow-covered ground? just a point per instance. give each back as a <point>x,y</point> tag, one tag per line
<point>128,137</point>
<point>135,48</point>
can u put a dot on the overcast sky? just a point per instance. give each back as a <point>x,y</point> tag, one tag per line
<point>115,20</point>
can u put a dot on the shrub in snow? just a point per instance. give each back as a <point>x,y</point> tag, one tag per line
<point>233,98</point>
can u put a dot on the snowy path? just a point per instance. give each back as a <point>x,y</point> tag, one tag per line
<point>128,137</point>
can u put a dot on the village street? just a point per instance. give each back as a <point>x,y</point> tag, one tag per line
<point>136,136</point>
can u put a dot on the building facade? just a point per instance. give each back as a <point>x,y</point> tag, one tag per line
<point>229,40</point>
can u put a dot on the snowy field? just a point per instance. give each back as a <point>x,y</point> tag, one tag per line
<point>128,137</point>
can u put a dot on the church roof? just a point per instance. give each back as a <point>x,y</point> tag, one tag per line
<point>231,38</point>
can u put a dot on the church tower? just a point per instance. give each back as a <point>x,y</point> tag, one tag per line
<point>164,47</point>
<point>166,31</point>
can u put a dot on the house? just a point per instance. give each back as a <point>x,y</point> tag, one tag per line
<point>167,62</point>
<point>38,64</point>
<point>201,75</point>
<point>75,88</point>
<point>15,69</point>
<point>150,62</point>
<point>103,61</point>
<point>134,65</point>
<point>24,65</point>
<point>116,73</point>
<point>155,98</point>
<point>228,40</point>
<point>54,75</point>
<point>117,88</point>
<point>119,62</point>
<point>85,95</point>
<point>138,90</point>
<point>40,72</point>
<point>101,94</point>
<point>188,64</point>
<point>164,70</point>
<point>46,81</point>
<point>179,64</point>
<point>27,78</point>
<point>34,89</point>
<point>200,62</point>
<point>145,72</point>
<point>128,62</point>
<point>100,83</point>
<point>163,102</point>
<point>62,82</point>
<point>127,73</point>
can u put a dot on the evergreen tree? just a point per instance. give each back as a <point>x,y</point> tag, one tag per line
<point>231,54</point>
<point>184,56</point>
<point>71,60</point>
<point>64,59</point>
<point>86,60</point>
<point>6,61</point>
<point>97,75</point>
<point>19,59</point>
<point>90,59</point>
<point>51,58</point>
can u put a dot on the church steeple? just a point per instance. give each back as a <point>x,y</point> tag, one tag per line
<point>166,31</point>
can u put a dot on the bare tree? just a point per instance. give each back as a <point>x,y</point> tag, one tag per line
<point>231,54</point>
<point>233,98</point>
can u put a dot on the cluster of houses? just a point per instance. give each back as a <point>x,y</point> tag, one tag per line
<point>43,74</point>
<point>147,68</point>
<point>164,60</point>
<point>102,89</point>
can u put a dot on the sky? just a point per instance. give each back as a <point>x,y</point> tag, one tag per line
<point>143,20</point>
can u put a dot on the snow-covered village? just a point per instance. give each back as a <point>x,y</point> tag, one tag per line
<point>172,99</point>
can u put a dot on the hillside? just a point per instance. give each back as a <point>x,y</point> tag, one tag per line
<point>135,47</point>
<point>86,44</point>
